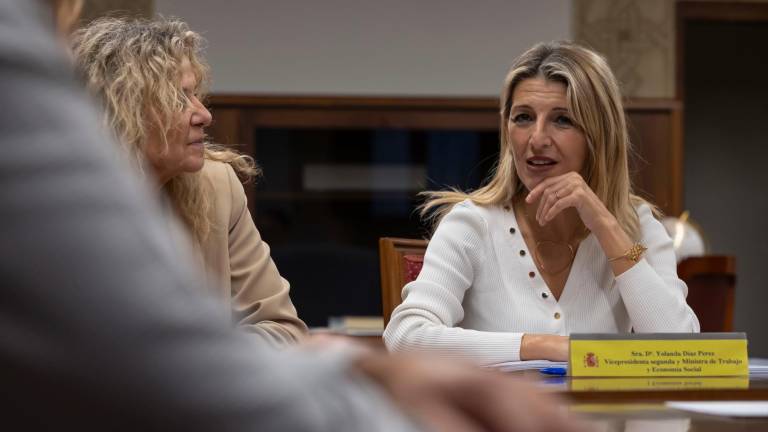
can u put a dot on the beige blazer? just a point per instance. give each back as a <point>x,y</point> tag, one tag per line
<point>238,263</point>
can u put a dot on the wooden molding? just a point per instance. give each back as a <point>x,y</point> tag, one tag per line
<point>652,104</point>
<point>722,11</point>
<point>352,102</point>
<point>714,11</point>
<point>226,100</point>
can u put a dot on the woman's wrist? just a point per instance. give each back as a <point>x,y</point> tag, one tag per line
<point>607,226</point>
<point>612,237</point>
<point>529,346</point>
<point>544,347</point>
<point>615,242</point>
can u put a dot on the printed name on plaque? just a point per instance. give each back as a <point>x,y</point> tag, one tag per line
<point>658,354</point>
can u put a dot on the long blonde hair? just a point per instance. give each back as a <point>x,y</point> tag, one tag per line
<point>134,67</point>
<point>594,100</point>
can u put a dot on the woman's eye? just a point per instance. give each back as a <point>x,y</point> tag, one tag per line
<point>189,96</point>
<point>521,118</point>
<point>562,120</point>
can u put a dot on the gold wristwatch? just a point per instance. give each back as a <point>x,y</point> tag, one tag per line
<point>633,254</point>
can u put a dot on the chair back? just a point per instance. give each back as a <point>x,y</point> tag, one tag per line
<point>711,281</point>
<point>401,260</point>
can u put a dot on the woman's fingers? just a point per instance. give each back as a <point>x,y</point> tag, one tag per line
<point>546,193</point>
<point>554,194</point>
<point>544,203</point>
<point>537,191</point>
<point>572,200</point>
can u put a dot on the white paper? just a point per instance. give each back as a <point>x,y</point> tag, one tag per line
<point>758,367</point>
<point>724,408</point>
<point>527,364</point>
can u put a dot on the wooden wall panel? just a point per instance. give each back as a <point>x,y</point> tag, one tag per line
<point>226,126</point>
<point>656,165</point>
<point>655,127</point>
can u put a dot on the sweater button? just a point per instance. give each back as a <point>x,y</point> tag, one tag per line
<point>512,230</point>
<point>522,252</point>
<point>544,295</point>
<point>531,275</point>
<point>557,315</point>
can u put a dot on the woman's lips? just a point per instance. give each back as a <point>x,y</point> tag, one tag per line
<point>540,163</point>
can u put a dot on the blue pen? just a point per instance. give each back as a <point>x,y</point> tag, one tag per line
<point>554,371</point>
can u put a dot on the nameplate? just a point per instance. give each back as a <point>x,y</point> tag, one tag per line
<point>658,355</point>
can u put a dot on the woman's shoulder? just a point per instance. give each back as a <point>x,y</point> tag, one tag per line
<point>650,225</point>
<point>486,212</point>
<point>469,205</point>
<point>223,184</point>
<point>645,212</point>
<point>472,215</point>
<point>217,172</point>
<point>464,208</point>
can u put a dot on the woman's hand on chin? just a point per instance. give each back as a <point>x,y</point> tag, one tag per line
<point>544,347</point>
<point>558,193</point>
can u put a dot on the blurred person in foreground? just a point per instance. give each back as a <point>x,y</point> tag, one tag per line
<point>556,242</point>
<point>103,324</point>
<point>150,78</point>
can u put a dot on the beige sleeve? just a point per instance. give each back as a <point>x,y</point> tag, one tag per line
<point>260,296</point>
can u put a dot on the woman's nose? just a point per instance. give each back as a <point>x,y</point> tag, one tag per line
<point>202,117</point>
<point>540,136</point>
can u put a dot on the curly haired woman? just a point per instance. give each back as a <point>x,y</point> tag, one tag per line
<point>150,77</point>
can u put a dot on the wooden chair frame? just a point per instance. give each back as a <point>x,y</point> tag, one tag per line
<point>391,253</point>
<point>711,281</point>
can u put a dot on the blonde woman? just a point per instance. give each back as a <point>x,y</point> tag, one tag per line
<point>151,78</point>
<point>556,242</point>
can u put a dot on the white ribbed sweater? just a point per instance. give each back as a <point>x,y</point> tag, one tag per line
<point>474,298</point>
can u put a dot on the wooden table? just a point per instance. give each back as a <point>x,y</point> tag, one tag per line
<point>654,389</point>
<point>658,418</point>
<point>637,404</point>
